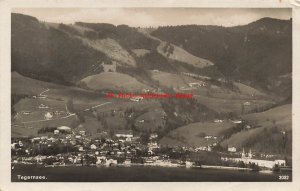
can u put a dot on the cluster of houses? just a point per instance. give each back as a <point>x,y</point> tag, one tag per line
<point>124,149</point>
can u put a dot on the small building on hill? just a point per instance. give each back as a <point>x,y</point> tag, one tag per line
<point>137,98</point>
<point>196,84</point>
<point>124,134</point>
<point>109,67</point>
<point>48,116</point>
<point>232,149</point>
<point>64,128</point>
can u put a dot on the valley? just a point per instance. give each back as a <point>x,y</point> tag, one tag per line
<point>64,77</point>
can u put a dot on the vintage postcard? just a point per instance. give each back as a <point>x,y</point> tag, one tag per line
<point>161,93</point>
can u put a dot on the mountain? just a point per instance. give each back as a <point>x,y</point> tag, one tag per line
<point>46,53</point>
<point>256,53</point>
<point>65,54</point>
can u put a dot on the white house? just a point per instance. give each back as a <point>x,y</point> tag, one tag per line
<point>127,162</point>
<point>26,112</point>
<point>42,106</point>
<point>13,145</point>
<point>196,84</point>
<point>218,121</point>
<point>153,145</point>
<point>153,136</point>
<point>48,116</point>
<point>109,67</point>
<point>93,147</point>
<point>232,149</point>
<point>280,162</point>
<point>20,144</point>
<point>236,121</point>
<point>77,136</point>
<point>137,98</point>
<point>111,162</point>
<point>124,134</point>
<point>188,164</point>
<point>64,128</point>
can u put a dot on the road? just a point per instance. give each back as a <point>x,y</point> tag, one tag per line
<point>42,93</point>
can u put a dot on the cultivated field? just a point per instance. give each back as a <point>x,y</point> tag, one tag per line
<point>114,81</point>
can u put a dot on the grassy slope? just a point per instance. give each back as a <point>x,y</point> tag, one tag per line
<point>280,116</point>
<point>20,85</point>
<point>244,89</point>
<point>178,54</point>
<point>113,80</point>
<point>172,80</point>
<point>273,120</point>
<point>56,100</point>
<point>190,135</point>
<point>230,105</point>
<point>112,49</point>
<point>219,99</point>
<point>182,55</point>
<point>150,121</point>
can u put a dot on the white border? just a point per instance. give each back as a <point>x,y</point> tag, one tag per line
<point>5,130</point>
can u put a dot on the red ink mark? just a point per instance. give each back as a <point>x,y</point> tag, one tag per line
<point>110,95</point>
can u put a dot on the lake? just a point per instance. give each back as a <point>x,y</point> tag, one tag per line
<point>140,174</point>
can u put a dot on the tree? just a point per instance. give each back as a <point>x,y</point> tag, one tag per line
<point>104,124</point>
<point>202,134</point>
<point>80,117</point>
<point>242,108</point>
<point>112,113</point>
<point>241,164</point>
<point>145,137</point>
<point>70,106</point>
<point>111,132</point>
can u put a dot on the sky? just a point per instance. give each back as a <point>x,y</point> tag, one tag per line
<point>154,17</point>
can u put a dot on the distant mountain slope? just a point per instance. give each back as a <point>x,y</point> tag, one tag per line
<point>257,52</point>
<point>112,49</point>
<point>127,36</point>
<point>174,52</point>
<point>48,54</point>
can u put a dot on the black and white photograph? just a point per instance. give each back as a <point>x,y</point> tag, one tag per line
<point>151,94</point>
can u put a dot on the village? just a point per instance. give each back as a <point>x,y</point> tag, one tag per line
<point>68,148</point>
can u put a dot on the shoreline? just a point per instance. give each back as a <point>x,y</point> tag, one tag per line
<point>146,165</point>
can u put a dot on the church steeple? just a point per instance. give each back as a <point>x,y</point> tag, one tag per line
<point>250,154</point>
<point>243,153</point>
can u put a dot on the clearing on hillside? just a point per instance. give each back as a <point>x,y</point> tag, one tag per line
<point>113,81</point>
<point>196,134</point>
